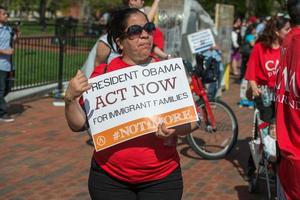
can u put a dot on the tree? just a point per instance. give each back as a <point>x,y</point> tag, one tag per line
<point>42,13</point>
<point>282,4</point>
<point>248,7</point>
<point>104,5</point>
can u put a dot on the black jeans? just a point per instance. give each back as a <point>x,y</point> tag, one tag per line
<point>104,187</point>
<point>3,104</point>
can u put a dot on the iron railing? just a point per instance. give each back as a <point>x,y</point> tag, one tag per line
<point>44,60</point>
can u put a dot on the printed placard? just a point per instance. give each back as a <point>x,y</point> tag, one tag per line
<point>201,41</point>
<point>131,102</point>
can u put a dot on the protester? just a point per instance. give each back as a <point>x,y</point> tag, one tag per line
<point>139,4</point>
<point>236,39</point>
<point>158,37</point>
<point>261,25</point>
<point>252,20</point>
<point>246,48</point>
<point>288,110</point>
<point>6,52</point>
<point>143,168</point>
<point>105,52</point>
<point>263,63</point>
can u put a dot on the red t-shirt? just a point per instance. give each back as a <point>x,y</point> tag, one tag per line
<point>142,159</point>
<point>288,114</point>
<point>158,39</point>
<point>262,64</point>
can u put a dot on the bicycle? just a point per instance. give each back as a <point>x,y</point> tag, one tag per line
<point>218,127</point>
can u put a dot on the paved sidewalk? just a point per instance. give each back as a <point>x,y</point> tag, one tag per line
<point>41,159</point>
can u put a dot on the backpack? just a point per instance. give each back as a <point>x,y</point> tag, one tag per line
<point>208,68</point>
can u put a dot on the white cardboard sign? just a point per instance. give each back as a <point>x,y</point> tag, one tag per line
<point>201,41</point>
<point>130,102</point>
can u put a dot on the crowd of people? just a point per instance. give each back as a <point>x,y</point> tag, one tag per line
<point>268,59</point>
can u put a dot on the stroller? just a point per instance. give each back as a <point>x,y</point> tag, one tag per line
<point>262,161</point>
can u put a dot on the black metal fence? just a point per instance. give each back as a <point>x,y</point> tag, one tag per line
<point>44,60</point>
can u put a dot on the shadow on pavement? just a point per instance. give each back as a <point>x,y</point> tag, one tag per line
<point>239,157</point>
<point>242,191</point>
<point>17,108</point>
<point>185,149</point>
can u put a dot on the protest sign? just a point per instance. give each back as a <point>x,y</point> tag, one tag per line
<point>201,41</point>
<point>131,102</point>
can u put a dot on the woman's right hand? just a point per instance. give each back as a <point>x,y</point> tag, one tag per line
<point>256,92</point>
<point>163,131</point>
<point>77,85</point>
<point>255,89</point>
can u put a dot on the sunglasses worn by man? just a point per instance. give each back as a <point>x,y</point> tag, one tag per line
<point>135,31</point>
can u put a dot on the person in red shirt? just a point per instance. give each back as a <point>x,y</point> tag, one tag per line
<point>263,63</point>
<point>288,109</point>
<point>145,167</point>
<point>104,51</point>
<point>158,37</point>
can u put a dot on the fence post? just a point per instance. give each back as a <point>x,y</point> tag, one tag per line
<point>61,66</point>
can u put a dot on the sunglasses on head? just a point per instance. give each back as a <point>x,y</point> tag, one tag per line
<point>135,31</point>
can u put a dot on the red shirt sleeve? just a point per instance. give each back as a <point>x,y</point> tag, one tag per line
<point>252,64</point>
<point>99,70</point>
<point>158,39</point>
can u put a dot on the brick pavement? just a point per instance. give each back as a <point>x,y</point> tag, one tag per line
<point>40,158</point>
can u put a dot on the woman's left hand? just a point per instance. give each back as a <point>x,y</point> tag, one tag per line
<point>163,131</point>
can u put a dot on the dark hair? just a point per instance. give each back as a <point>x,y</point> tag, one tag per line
<point>249,29</point>
<point>236,19</point>
<point>2,8</point>
<point>118,24</point>
<point>293,7</point>
<point>273,25</point>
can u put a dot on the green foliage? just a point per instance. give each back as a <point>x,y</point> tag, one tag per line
<point>254,7</point>
<point>24,5</point>
<point>104,5</point>
<point>264,7</point>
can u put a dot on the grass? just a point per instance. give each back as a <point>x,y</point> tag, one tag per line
<point>37,66</point>
<point>34,29</point>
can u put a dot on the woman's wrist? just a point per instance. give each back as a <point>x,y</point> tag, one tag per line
<point>69,99</point>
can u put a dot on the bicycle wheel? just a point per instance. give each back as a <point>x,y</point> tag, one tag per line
<point>215,144</point>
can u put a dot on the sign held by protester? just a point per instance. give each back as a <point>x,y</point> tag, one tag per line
<point>131,102</point>
<point>201,41</point>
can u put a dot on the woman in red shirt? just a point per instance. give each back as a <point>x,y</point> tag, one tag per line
<point>143,168</point>
<point>263,63</point>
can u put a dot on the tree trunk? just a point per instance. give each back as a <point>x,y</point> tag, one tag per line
<point>42,13</point>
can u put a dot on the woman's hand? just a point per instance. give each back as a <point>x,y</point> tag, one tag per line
<point>77,85</point>
<point>163,131</point>
<point>256,92</point>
